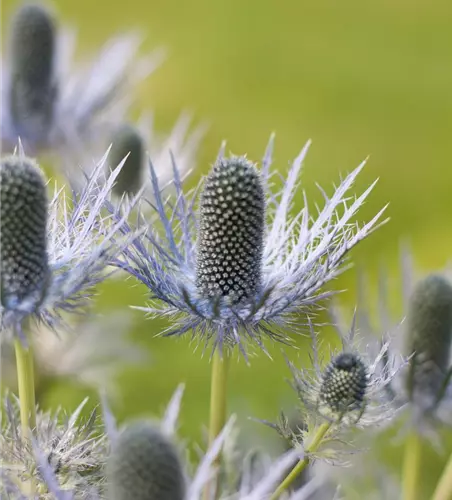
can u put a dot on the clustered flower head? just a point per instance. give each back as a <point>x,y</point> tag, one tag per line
<point>137,142</point>
<point>347,392</point>
<point>74,448</point>
<point>422,337</point>
<point>423,386</point>
<point>53,252</point>
<point>47,103</point>
<point>240,265</point>
<point>144,460</point>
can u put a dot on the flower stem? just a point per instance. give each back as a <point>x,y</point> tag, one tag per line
<point>218,390</point>
<point>25,380</point>
<point>302,464</point>
<point>443,489</point>
<point>411,467</point>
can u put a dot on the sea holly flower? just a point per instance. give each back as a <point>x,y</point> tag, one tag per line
<point>347,392</point>
<point>53,252</point>
<point>422,335</point>
<point>137,142</point>
<point>74,448</point>
<point>237,268</point>
<point>47,103</point>
<point>155,444</point>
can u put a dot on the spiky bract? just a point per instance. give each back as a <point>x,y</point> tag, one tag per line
<point>428,338</point>
<point>48,104</point>
<point>230,241</point>
<point>127,142</point>
<point>145,465</point>
<point>23,250</point>
<point>349,392</point>
<point>344,385</point>
<point>299,256</point>
<point>423,387</point>
<point>33,87</point>
<point>78,242</point>
<point>74,448</point>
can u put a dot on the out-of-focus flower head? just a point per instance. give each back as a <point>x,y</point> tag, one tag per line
<point>244,265</point>
<point>348,391</point>
<point>422,387</point>
<point>73,448</point>
<point>50,104</point>
<point>133,447</point>
<point>138,143</point>
<point>52,253</point>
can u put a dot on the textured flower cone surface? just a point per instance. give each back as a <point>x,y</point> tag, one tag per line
<point>127,141</point>
<point>32,53</point>
<point>344,384</point>
<point>23,221</point>
<point>144,465</point>
<point>429,334</point>
<point>231,231</point>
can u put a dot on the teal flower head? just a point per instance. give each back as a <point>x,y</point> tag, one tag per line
<point>54,250</point>
<point>236,267</point>
<point>49,103</point>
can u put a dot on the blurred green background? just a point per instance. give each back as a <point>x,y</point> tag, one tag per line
<point>359,78</point>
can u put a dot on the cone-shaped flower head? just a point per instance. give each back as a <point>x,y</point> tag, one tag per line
<point>49,104</point>
<point>231,231</point>
<point>347,392</point>
<point>73,448</point>
<point>33,86</point>
<point>127,141</point>
<point>145,465</point>
<point>428,338</point>
<point>344,385</point>
<point>23,217</point>
<point>237,269</point>
<point>52,254</point>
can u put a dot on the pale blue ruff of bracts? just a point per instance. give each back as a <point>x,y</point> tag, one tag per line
<point>52,103</point>
<point>300,254</point>
<point>78,244</point>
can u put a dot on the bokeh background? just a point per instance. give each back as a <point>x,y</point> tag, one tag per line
<point>359,78</point>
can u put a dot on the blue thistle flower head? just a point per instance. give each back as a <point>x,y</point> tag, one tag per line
<point>144,448</point>
<point>73,449</point>
<point>348,391</point>
<point>53,105</point>
<point>422,389</point>
<point>134,141</point>
<point>240,266</point>
<point>53,252</point>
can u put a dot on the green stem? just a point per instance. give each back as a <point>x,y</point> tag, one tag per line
<point>25,381</point>
<point>411,467</point>
<point>443,489</point>
<point>218,392</point>
<point>302,464</point>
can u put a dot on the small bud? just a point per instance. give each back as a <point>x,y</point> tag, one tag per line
<point>23,218</point>
<point>144,465</point>
<point>127,141</point>
<point>429,335</point>
<point>344,386</point>
<point>32,52</point>
<point>231,231</point>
